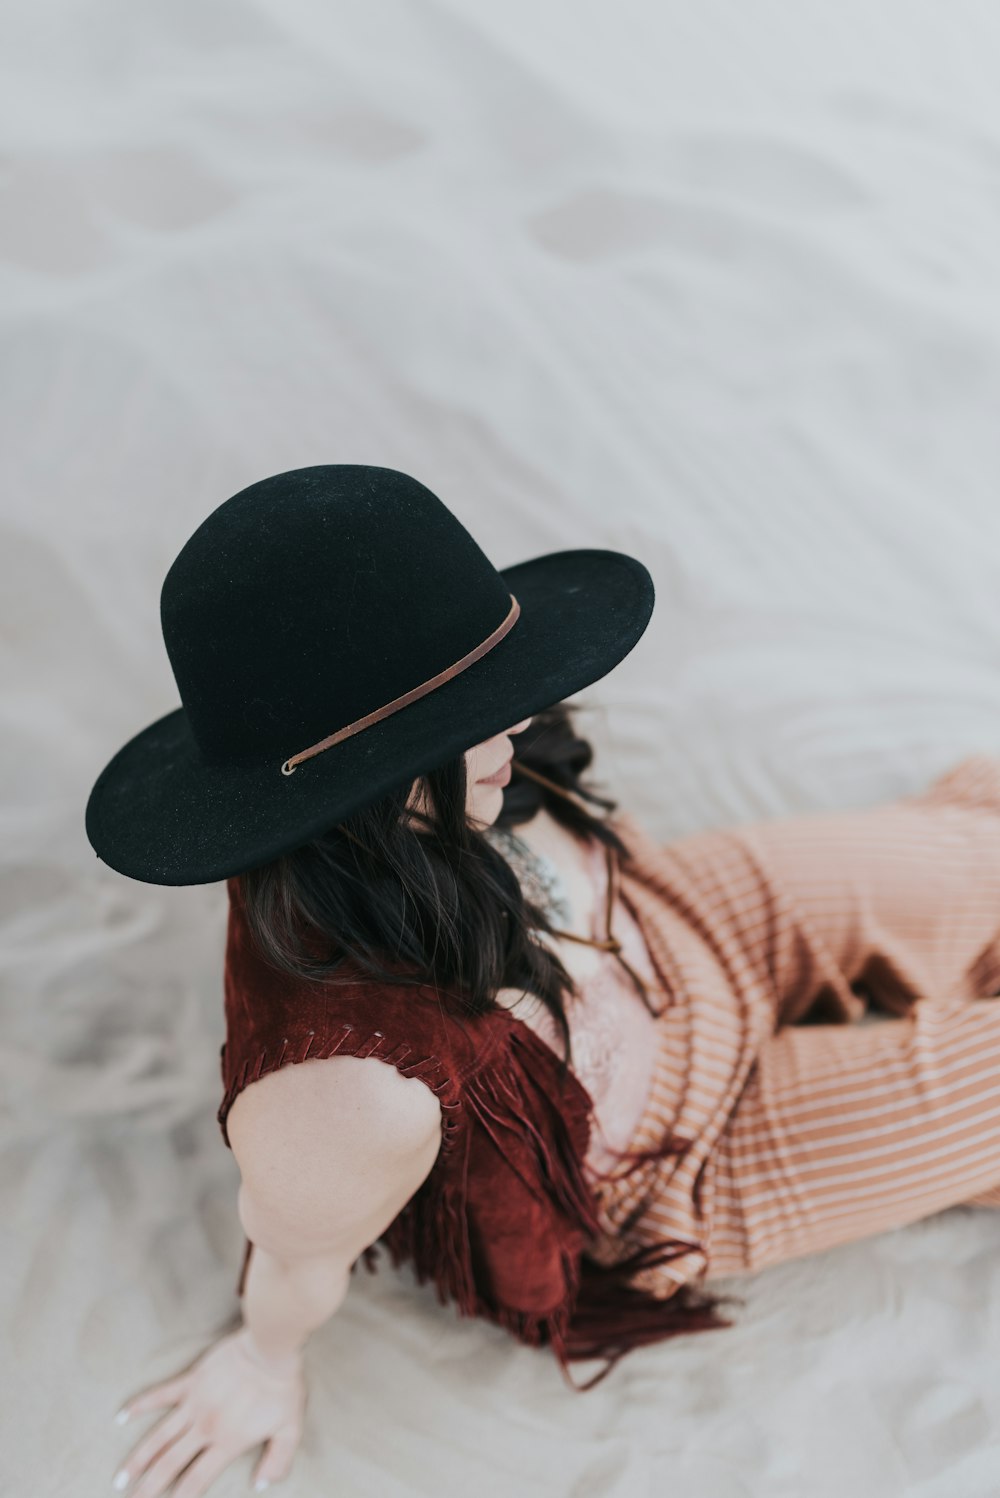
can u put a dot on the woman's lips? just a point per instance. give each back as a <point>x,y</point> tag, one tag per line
<point>502,776</point>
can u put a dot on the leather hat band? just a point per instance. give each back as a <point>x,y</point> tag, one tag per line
<point>289,766</point>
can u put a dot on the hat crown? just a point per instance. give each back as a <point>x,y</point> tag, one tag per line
<point>314,597</point>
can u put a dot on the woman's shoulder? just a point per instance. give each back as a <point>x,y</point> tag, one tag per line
<point>329,1153</point>
<point>345,1101</point>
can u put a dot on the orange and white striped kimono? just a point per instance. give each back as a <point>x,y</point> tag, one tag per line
<point>775,937</point>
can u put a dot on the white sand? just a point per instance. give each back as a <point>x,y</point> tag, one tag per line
<point>713,284</point>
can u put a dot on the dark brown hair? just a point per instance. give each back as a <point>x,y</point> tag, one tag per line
<point>433,896</point>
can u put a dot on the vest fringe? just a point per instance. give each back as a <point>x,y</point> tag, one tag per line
<point>601,1315</point>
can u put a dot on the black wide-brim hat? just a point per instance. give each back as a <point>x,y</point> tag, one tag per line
<point>341,602</point>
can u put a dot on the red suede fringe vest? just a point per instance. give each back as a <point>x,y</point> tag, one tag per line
<point>502,1222</point>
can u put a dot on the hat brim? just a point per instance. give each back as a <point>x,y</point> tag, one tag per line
<point>158,813</point>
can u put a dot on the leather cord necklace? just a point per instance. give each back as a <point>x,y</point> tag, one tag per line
<point>609,942</point>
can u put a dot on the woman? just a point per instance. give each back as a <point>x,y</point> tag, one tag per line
<point>419,901</point>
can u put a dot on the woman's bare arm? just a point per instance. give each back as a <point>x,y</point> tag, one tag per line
<point>329,1152</point>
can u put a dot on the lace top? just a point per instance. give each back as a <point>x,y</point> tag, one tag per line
<point>613,1033</point>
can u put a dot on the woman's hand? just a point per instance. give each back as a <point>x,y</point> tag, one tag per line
<point>230,1400</point>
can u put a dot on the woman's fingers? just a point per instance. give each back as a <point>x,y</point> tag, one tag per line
<point>199,1477</point>
<point>225,1405</point>
<point>153,1442</point>
<point>279,1453</point>
<point>155,1482</point>
<point>156,1397</point>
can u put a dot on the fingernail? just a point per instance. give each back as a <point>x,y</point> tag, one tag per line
<point>261,1484</point>
<point>121,1480</point>
<point>122,1415</point>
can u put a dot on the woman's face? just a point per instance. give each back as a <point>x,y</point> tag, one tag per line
<point>483,799</point>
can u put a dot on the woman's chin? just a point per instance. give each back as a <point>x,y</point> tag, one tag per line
<point>486,804</point>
